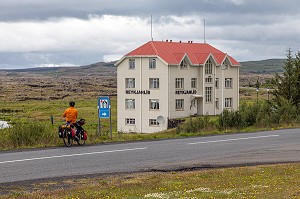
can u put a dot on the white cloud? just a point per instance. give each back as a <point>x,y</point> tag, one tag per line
<point>237,2</point>
<point>77,32</point>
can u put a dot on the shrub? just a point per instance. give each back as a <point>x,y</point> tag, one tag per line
<point>28,134</point>
<point>194,125</point>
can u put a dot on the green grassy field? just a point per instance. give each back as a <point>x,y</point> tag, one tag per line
<point>267,182</point>
<point>43,133</point>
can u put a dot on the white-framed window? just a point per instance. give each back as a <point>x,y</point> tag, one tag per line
<point>152,63</point>
<point>129,121</point>
<point>153,82</point>
<point>130,104</point>
<point>183,65</point>
<point>208,80</point>
<point>208,67</point>
<point>217,103</point>
<point>179,82</point>
<point>130,82</point>
<point>131,63</point>
<point>194,83</point>
<point>228,82</point>
<point>179,104</point>
<point>225,65</point>
<point>154,104</point>
<point>153,122</point>
<point>217,83</point>
<point>228,102</point>
<point>208,94</point>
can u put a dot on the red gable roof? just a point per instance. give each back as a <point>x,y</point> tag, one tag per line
<point>173,52</point>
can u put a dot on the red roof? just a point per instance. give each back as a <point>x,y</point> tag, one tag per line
<point>173,52</point>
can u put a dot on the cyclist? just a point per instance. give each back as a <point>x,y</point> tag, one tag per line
<point>71,114</point>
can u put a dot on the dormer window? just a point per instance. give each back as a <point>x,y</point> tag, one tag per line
<point>225,64</point>
<point>208,67</point>
<point>183,65</point>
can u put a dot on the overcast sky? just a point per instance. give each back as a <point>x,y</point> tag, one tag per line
<point>37,33</point>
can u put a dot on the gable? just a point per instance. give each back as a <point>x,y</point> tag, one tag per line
<point>172,53</point>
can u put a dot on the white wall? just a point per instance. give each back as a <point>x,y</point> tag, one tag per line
<point>166,92</point>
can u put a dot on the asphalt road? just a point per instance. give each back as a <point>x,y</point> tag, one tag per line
<point>200,152</point>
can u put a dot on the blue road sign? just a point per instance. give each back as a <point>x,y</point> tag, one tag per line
<point>104,107</point>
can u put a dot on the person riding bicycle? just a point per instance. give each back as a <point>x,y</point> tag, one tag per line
<point>71,114</point>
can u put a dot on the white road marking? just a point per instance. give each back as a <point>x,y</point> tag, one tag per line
<point>236,139</point>
<point>72,155</point>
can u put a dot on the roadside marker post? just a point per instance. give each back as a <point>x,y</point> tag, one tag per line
<point>104,109</point>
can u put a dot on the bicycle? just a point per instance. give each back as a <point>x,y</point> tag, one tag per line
<point>69,134</point>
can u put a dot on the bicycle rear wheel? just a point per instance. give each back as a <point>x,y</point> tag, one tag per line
<point>68,141</point>
<point>80,139</point>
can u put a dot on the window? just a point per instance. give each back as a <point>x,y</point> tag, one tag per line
<point>194,83</point>
<point>131,63</point>
<point>153,122</point>
<point>129,103</point>
<point>179,104</point>
<point>217,82</point>
<point>153,82</point>
<point>228,102</point>
<point>228,82</point>
<point>208,91</point>
<point>183,65</point>
<point>217,103</point>
<point>129,121</point>
<point>208,80</point>
<point>130,82</point>
<point>154,104</point>
<point>208,67</point>
<point>225,65</point>
<point>152,63</point>
<point>179,82</point>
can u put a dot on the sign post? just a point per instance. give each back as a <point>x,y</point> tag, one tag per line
<point>104,112</point>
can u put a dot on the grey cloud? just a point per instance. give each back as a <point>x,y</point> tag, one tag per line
<point>43,10</point>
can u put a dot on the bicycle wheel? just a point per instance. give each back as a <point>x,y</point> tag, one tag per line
<point>80,139</point>
<point>67,137</point>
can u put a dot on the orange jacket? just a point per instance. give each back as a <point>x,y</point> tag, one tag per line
<point>71,114</point>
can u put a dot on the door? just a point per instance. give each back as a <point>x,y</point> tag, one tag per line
<point>199,106</point>
<point>194,107</point>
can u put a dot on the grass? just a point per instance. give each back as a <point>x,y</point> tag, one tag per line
<point>40,112</point>
<point>268,182</point>
<point>34,116</point>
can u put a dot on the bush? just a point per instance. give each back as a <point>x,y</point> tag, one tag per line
<point>246,116</point>
<point>28,134</point>
<point>193,125</point>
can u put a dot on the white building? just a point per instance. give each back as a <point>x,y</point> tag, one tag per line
<point>168,80</point>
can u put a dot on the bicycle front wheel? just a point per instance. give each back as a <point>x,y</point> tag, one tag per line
<point>68,141</point>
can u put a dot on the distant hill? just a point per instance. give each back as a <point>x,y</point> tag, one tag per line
<point>269,66</point>
<point>100,69</point>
